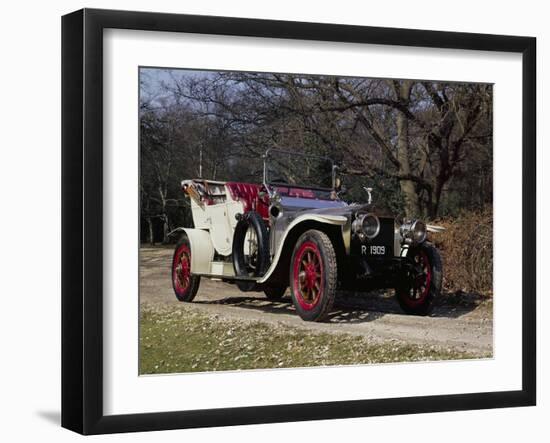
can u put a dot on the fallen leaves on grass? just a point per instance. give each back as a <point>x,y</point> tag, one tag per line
<point>183,340</point>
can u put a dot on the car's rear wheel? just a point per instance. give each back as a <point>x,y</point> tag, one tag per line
<point>422,282</point>
<point>275,292</point>
<point>185,284</point>
<point>313,276</point>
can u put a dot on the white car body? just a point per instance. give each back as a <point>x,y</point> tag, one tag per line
<point>214,226</point>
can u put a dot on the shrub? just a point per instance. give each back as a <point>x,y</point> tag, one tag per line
<point>467,250</point>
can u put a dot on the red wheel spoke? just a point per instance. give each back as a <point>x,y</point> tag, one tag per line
<point>182,270</point>
<point>308,272</point>
<point>420,279</point>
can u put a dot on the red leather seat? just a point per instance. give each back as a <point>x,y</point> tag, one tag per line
<point>247,193</point>
<point>295,192</point>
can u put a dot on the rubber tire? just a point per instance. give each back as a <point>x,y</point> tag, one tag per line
<point>254,220</point>
<point>328,262</point>
<point>195,280</point>
<point>275,293</point>
<point>426,307</point>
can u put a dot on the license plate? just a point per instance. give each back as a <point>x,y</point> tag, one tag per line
<point>373,250</point>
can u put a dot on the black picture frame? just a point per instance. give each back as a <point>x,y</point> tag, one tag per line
<point>82,218</point>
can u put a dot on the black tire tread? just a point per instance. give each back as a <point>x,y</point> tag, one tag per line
<point>275,293</point>
<point>195,280</point>
<point>253,219</point>
<point>331,272</point>
<point>437,283</point>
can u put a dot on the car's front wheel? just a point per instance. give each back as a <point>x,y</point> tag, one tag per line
<point>185,284</point>
<point>313,275</point>
<point>422,281</point>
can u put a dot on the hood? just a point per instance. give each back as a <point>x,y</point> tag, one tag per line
<point>318,206</point>
<point>298,204</point>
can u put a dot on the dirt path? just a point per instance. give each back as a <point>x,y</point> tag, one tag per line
<point>467,326</point>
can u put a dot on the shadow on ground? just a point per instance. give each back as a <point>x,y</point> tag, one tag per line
<point>356,308</point>
<point>54,417</point>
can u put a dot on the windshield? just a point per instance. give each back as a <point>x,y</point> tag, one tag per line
<point>298,170</point>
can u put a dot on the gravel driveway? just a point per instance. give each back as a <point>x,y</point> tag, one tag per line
<point>462,323</point>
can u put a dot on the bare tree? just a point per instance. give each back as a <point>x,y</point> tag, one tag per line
<point>421,143</point>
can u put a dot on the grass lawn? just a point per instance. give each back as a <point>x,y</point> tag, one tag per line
<point>183,340</point>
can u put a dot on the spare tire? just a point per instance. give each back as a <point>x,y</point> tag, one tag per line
<point>250,248</point>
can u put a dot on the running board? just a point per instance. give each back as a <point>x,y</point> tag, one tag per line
<point>230,277</point>
<point>224,271</point>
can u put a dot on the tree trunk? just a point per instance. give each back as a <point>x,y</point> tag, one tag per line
<point>164,216</point>
<point>408,188</point>
<point>165,229</point>
<point>437,198</point>
<point>150,231</point>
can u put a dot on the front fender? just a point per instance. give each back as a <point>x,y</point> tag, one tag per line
<point>327,219</point>
<point>400,250</point>
<point>435,228</point>
<point>202,249</point>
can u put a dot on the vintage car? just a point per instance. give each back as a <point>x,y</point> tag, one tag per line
<point>293,230</point>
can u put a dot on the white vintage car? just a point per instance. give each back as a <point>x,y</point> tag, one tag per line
<point>293,230</point>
